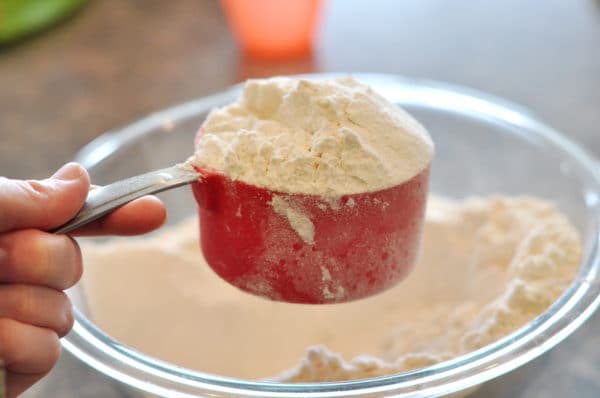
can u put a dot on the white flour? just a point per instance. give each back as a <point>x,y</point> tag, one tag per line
<point>298,220</point>
<point>327,138</point>
<point>488,266</point>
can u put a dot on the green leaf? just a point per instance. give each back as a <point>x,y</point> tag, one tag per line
<point>20,18</point>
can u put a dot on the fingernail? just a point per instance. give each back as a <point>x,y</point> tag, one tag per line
<point>70,171</point>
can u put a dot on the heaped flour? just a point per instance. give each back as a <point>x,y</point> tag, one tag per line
<point>330,138</point>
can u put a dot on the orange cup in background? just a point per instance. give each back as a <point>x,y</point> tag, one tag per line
<point>273,29</point>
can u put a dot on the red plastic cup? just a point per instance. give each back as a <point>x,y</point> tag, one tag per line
<point>363,243</point>
<point>273,29</point>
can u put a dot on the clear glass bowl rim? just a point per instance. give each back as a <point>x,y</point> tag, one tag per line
<point>98,350</point>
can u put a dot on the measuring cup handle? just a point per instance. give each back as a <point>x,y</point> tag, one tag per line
<point>103,200</point>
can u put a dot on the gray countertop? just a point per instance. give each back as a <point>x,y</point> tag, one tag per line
<point>117,60</point>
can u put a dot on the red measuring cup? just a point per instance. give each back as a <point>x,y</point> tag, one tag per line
<point>363,243</point>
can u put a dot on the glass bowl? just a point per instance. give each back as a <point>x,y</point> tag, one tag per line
<point>484,145</point>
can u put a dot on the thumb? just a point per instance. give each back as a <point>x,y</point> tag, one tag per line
<point>43,204</point>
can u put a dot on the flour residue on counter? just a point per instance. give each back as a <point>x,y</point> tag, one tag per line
<point>488,266</point>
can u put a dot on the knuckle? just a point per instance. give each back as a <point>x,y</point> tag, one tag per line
<point>24,302</point>
<point>53,351</point>
<point>40,193</point>
<point>77,262</point>
<point>56,261</point>
<point>40,258</point>
<point>66,318</point>
<point>7,334</point>
<point>28,349</point>
<point>44,258</point>
<point>9,269</point>
<point>28,256</point>
<point>70,320</point>
<point>36,190</point>
<point>67,264</point>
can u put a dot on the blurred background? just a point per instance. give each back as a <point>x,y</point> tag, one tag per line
<point>71,70</point>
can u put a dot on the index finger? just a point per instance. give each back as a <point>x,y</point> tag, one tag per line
<point>137,217</point>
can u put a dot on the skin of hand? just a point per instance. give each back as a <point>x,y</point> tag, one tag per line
<point>36,266</point>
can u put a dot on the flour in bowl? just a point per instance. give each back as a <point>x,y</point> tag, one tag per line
<point>488,266</point>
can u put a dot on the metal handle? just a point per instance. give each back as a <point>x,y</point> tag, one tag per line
<point>103,200</point>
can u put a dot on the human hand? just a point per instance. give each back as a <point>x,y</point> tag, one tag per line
<point>36,266</point>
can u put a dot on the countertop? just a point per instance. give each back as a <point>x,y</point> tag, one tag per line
<point>117,60</point>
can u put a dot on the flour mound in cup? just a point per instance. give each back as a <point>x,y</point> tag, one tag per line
<point>329,137</point>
